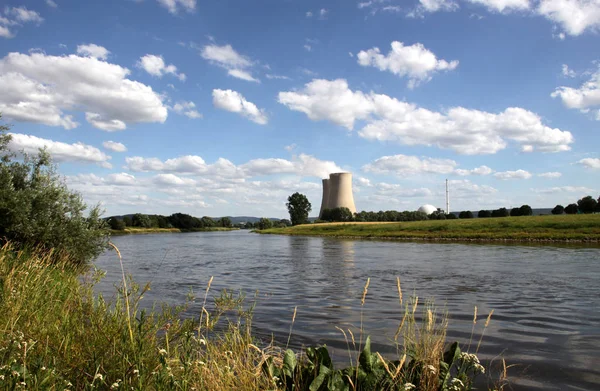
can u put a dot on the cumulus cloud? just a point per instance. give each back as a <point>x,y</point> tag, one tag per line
<point>503,5</point>
<point>592,163</point>
<point>51,3</point>
<point>277,77</point>
<point>481,170</point>
<point>236,103</point>
<point>114,146</point>
<point>175,5</point>
<point>188,109</point>
<point>464,188</point>
<point>415,62</point>
<point>60,152</point>
<point>583,98</point>
<point>518,174</point>
<point>463,130</point>
<point>39,88</point>
<point>574,16</point>
<point>567,72</point>
<point>550,175</point>
<point>226,57</point>
<point>388,189</point>
<point>93,50</point>
<point>302,165</point>
<point>23,15</point>
<point>426,6</point>
<point>410,165</point>
<point>155,65</point>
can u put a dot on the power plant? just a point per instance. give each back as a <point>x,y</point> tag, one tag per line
<point>337,192</point>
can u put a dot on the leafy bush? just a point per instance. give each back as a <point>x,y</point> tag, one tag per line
<point>572,209</point>
<point>37,208</point>
<point>467,214</point>
<point>116,224</point>
<point>337,214</point>
<point>558,210</point>
<point>484,213</point>
<point>264,223</point>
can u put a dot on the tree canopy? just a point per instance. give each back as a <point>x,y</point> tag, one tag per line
<point>299,207</point>
<point>37,208</point>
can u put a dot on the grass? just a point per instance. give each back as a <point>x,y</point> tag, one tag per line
<point>582,228</point>
<point>135,230</point>
<point>56,334</point>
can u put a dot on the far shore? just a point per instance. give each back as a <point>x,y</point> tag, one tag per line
<point>559,229</point>
<point>145,231</point>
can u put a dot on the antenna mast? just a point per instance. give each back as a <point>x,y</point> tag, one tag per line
<point>447,199</point>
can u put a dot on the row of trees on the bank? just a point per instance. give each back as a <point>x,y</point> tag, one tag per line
<point>585,205</point>
<point>176,220</point>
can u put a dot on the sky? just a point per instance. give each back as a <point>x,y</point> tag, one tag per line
<point>228,107</point>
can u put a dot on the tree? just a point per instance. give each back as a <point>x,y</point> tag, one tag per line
<point>141,220</point>
<point>225,222</point>
<point>484,213</point>
<point>502,212</point>
<point>516,212</point>
<point>299,207</point>
<point>116,224</point>
<point>571,209</point>
<point>128,221</point>
<point>37,208</point>
<point>467,214</point>
<point>558,210</point>
<point>526,210</point>
<point>587,205</point>
<point>264,223</point>
<point>451,216</point>
<point>437,215</point>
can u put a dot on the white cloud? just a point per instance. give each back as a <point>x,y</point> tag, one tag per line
<point>465,131</point>
<point>550,175</point>
<point>277,77</point>
<point>114,146</point>
<point>174,5</point>
<point>415,62</point>
<point>5,32</point>
<point>410,165</point>
<point>432,6</point>
<point>583,98</point>
<point>172,180</point>
<point>23,15</point>
<point>39,88</point>
<point>110,125</point>
<point>188,109</point>
<point>574,16</point>
<point>236,103</point>
<point>592,163</point>
<point>309,14</point>
<point>308,48</point>
<point>568,72</point>
<point>93,50</point>
<point>481,170</point>
<point>302,165</point>
<point>519,174</point>
<point>121,179</point>
<point>241,74</point>
<point>51,3</point>
<point>397,190</point>
<point>323,13</point>
<point>290,147</point>
<point>226,57</point>
<point>61,152</point>
<point>155,65</point>
<point>464,188</point>
<point>503,5</point>
<point>564,189</point>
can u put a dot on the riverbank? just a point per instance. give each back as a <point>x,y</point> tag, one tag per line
<point>56,333</point>
<point>560,228</point>
<point>142,231</point>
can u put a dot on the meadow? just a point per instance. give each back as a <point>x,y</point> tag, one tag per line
<point>556,228</point>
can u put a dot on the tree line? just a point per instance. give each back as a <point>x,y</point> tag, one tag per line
<point>176,220</point>
<point>586,205</point>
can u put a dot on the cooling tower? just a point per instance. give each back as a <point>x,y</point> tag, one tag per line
<point>325,199</point>
<point>340,191</point>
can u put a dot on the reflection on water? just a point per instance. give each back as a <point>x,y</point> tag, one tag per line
<point>546,299</point>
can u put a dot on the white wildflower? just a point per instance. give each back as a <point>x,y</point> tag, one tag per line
<point>162,352</point>
<point>98,377</point>
<point>431,369</point>
<point>409,386</point>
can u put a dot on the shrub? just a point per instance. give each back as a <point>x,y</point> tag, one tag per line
<point>587,205</point>
<point>116,224</point>
<point>558,210</point>
<point>484,213</point>
<point>465,215</point>
<point>264,223</point>
<point>502,212</point>
<point>37,208</point>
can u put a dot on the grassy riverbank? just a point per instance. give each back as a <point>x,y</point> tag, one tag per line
<point>560,228</point>
<point>56,334</point>
<point>134,230</point>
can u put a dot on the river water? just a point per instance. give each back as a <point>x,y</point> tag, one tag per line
<point>546,299</point>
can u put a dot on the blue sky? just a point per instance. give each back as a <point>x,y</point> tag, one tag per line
<point>228,107</point>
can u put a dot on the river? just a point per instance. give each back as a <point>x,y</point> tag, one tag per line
<point>546,299</point>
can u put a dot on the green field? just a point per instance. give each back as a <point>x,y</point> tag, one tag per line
<point>561,228</point>
<point>134,230</point>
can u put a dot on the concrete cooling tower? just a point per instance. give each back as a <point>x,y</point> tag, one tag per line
<point>337,192</point>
